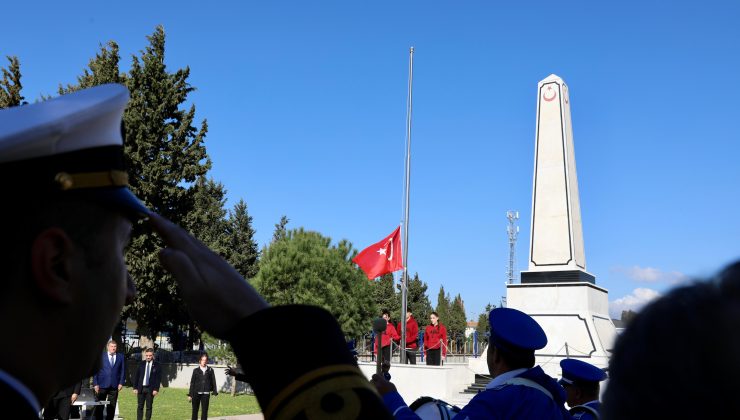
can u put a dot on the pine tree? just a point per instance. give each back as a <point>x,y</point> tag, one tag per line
<point>243,251</point>
<point>418,301</point>
<point>457,323</point>
<point>165,156</point>
<point>100,70</point>
<point>443,308</point>
<point>167,164</point>
<point>10,85</point>
<point>280,230</point>
<point>484,327</point>
<point>386,298</point>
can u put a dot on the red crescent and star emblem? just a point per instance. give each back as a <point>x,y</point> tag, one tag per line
<point>549,94</point>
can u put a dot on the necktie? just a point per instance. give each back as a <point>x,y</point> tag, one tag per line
<point>111,360</point>
<point>146,375</point>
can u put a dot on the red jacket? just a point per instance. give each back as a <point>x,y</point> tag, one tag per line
<point>412,332</point>
<point>432,337</point>
<point>389,334</point>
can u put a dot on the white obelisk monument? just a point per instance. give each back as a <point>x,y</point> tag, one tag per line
<point>556,290</point>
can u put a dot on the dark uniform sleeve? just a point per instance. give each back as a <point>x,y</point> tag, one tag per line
<point>317,379</point>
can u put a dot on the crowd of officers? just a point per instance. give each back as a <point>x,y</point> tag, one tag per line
<point>67,217</point>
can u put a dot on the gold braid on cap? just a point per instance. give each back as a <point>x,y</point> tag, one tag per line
<point>111,178</point>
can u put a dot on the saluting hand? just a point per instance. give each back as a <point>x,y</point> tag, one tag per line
<point>217,296</point>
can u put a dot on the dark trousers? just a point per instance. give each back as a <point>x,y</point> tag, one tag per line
<point>57,408</point>
<point>201,399</point>
<point>110,412</point>
<point>386,352</point>
<point>145,395</point>
<point>434,357</point>
<point>411,356</point>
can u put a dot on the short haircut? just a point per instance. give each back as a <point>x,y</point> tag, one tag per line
<point>386,312</point>
<point>435,314</point>
<point>111,341</point>
<point>149,350</point>
<point>202,355</point>
<point>684,344</point>
<point>516,359</point>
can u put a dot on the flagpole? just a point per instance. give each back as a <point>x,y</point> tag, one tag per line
<point>405,278</point>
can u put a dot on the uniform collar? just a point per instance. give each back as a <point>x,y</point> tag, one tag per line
<point>500,379</point>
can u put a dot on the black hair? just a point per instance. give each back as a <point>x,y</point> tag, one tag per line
<point>678,346</point>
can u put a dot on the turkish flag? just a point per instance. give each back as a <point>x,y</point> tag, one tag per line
<point>383,257</point>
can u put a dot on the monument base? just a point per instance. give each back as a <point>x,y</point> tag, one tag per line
<point>575,317</point>
<point>565,276</point>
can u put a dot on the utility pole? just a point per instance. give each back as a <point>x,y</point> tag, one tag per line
<point>513,231</point>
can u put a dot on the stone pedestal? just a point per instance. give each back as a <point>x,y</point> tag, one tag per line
<point>575,317</point>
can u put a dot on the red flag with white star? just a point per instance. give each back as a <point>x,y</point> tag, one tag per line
<point>382,257</point>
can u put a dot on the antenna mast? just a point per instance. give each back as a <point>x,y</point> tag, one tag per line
<point>513,231</point>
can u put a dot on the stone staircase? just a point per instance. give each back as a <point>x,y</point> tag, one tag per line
<point>464,397</point>
<point>477,386</point>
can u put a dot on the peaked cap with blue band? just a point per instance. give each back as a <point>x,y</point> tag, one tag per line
<point>577,371</point>
<point>514,331</point>
<point>69,146</point>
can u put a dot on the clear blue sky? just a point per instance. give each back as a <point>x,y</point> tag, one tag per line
<point>306,109</point>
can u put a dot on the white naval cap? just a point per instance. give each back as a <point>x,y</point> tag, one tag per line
<point>71,144</point>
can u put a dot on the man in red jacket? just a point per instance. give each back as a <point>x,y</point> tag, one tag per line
<point>435,341</point>
<point>385,338</point>
<point>412,332</point>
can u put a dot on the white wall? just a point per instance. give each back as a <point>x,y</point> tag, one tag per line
<point>414,381</point>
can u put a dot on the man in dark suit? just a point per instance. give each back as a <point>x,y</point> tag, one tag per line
<point>109,380</point>
<point>146,379</point>
<point>60,404</point>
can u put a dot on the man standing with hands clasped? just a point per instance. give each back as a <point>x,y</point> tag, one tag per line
<point>109,380</point>
<point>146,384</point>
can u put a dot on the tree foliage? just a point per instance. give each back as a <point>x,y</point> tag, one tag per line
<point>167,164</point>
<point>484,327</point>
<point>165,156</point>
<point>100,70</point>
<point>243,252</point>
<point>627,316</point>
<point>280,229</point>
<point>443,306</point>
<point>417,300</point>
<point>10,85</point>
<point>457,323</point>
<point>304,268</point>
<point>385,296</point>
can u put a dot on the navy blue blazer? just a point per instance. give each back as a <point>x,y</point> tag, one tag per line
<point>155,376</point>
<point>110,377</point>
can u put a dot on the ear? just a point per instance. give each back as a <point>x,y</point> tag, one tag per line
<point>50,264</point>
<point>495,356</point>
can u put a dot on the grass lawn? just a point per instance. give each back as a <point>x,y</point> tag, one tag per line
<point>172,404</point>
